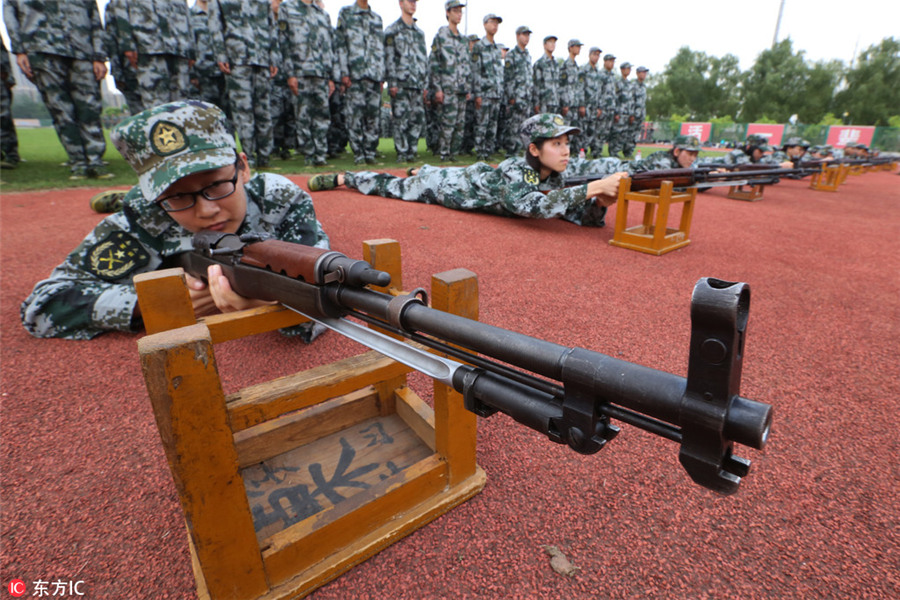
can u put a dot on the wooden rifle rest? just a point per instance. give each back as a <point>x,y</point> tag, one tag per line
<point>750,193</point>
<point>653,235</point>
<point>287,484</point>
<point>830,178</point>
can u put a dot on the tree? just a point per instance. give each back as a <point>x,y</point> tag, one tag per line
<point>871,96</point>
<point>695,84</point>
<point>775,85</point>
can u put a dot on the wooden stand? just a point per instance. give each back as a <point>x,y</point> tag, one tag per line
<point>653,236</point>
<point>830,178</point>
<point>750,193</point>
<point>289,483</point>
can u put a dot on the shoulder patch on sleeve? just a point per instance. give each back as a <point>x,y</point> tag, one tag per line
<point>115,256</point>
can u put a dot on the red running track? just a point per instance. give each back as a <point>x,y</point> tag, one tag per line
<point>86,492</point>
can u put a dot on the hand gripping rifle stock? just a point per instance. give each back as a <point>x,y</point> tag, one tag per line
<point>508,372</point>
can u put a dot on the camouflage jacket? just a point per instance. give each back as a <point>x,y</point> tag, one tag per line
<point>735,157</point>
<point>71,28</point>
<point>592,86</point>
<point>638,101</point>
<point>405,56</point>
<point>546,81</point>
<point>205,66</point>
<point>608,97</point>
<point>487,69</point>
<point>157,27</point>
<point>243,32</point>
<point>624,99</point>
<point>359,43</point>
<point>307,41</point>
<point>92,291</point>
<point>511,189</point>
<point>518,80</point>
<point>571,84</point>
<point>450,64</point>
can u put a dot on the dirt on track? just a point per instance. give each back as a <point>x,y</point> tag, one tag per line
<point>87,495</point>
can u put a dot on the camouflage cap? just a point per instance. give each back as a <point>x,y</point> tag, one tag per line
<point>609,57</point>
<point>594,49</point>
<point>687,142</point>
<point>759,141</point>
<point>170,141</point>
<point>453,4</point>
<point>795,141</point>
<point>490,16</point>
<point>574,42</point>
<point>544,126</point>
<point>523,29</point>
<point>625,65</point>
<point>550,37</point>
<point>642,69</point>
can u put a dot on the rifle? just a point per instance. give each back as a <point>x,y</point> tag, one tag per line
<point>702,178</point>
<point>508,372</point>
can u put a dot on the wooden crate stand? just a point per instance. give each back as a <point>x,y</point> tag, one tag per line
<point>289,483</point>
<point>830,178</point>
<point>750,193</point>
<point>653,235</point>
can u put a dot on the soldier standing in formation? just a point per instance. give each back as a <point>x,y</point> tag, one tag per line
<point>311,69</point>
<point>246,48</point>
<point>638,110</point>
<point>624,116</point>
<point>206,77</point>
<point>60,46</point>
<point>607,103</point>
<point>571,87</point>
<point>546,79</point>
<point>450,71</point>
<point>156,38</point>
<point>359,43</point>
<point>9,141</point>
<point>124,73</point>
<point>592,86</point>
<point>406,73</point>
<point>487,83</point>
<point>518,83</point>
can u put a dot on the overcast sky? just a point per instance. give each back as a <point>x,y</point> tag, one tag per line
<point>651,31</point>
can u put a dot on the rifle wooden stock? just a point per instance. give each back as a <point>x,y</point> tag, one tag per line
<point>703,412</point>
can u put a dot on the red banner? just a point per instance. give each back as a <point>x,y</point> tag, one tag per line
<point>698,130</point>
<point>772,133</point>
<point>841,135</point>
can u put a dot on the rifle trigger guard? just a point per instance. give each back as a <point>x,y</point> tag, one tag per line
<point>398,304</point>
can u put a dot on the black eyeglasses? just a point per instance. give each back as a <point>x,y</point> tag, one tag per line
<point>217,190</point>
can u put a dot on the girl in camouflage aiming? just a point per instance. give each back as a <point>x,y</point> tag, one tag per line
<point>532,186</point>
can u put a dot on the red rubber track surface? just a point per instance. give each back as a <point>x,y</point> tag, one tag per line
<point>87,494</point>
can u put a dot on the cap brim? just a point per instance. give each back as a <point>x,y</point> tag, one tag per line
<point>156,181</point>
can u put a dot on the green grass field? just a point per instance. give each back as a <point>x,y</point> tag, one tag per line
<point>43,155</point>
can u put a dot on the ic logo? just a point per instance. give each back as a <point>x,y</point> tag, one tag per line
<point>17,587</point>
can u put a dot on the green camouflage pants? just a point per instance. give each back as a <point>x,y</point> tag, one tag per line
<point>9,141</point>
<point>486,122</point>
<point>249,94</point>
<point>313,118</point>
<point>163,78</point>
<point>408,110</point>
<point>72,96</point>
<point>362,106</point>
<point>516,114</point>
<point>450,117</point>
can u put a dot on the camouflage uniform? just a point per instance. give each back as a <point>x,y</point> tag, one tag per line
<point>62,41</point>
<point>160,32</point>
<point>591,97</point>
<point>511,189</point>
<point>309,55</point>
<point>359,43</point>
<point>740,156</point>
<point>622,127</point>
<point>210,81</point>
<point>92,291</point>
<point>571,94</point>
<point>638,111</point>
<point>406,69</point>
<point>519,84</point>
<point>608,108</point>
<point>487,83</point>
<point>337,130</point>
<point>546,84</point>
<point>450,69</point>
<point>9,141</point>
<point>244,36</point>
<point>660,160</point>
<point>116,19</point>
